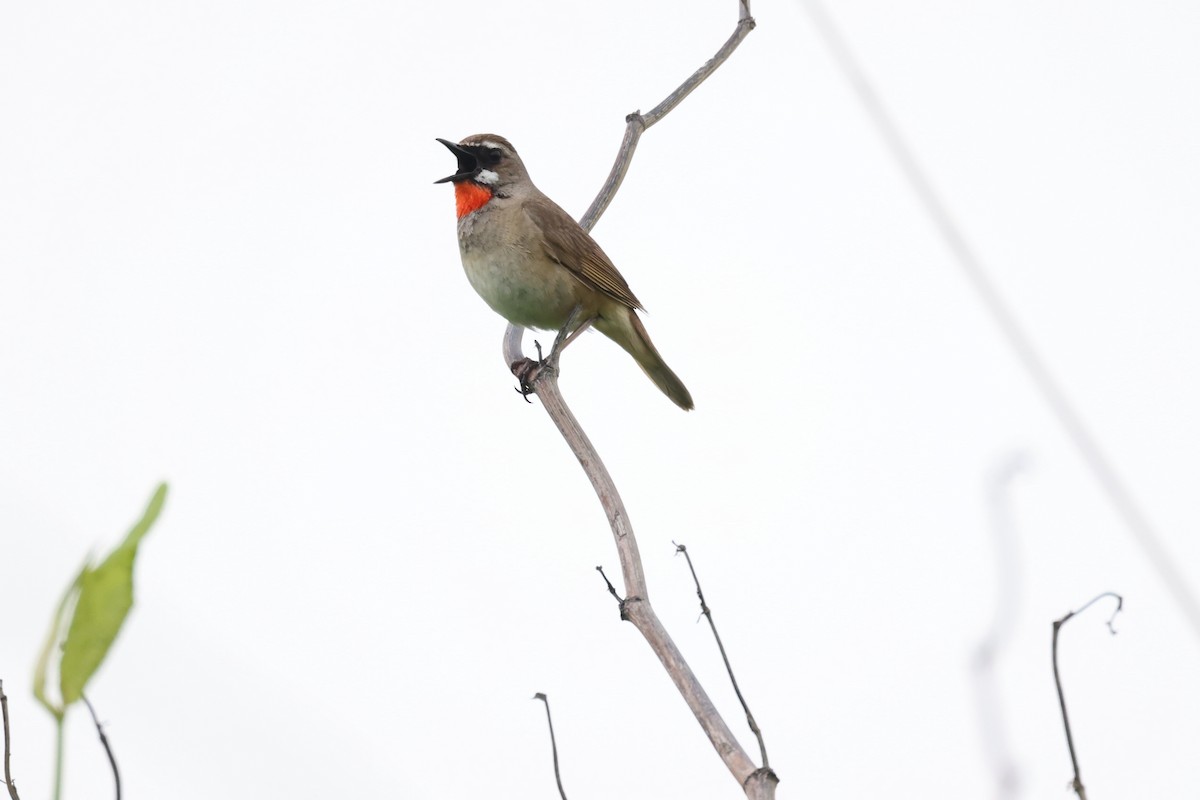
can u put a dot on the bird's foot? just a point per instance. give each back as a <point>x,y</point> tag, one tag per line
<point>527,371</point>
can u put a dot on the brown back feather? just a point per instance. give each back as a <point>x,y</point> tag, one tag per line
<point>570,245</point>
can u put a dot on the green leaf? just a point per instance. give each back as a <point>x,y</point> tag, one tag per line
<point>53,637</point>
<point>105,597</point>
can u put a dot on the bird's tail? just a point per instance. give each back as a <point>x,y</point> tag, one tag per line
<point>632,336</point>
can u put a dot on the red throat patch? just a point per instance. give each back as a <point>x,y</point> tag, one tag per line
<point>470,196</point>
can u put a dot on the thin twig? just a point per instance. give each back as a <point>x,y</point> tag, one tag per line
<point>1088,447</point>
<point>8,781</point>
<point>104,741</point>
<point>553,745</point>
<point>704,609</point>
<point>1077,783</point>
<point>611,589</point>
<point>756,782</point>
<point>637,123</point>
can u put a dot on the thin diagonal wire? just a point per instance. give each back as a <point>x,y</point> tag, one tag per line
<point>1111,484</point>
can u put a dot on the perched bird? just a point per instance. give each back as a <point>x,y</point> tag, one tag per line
<point>535,266</point>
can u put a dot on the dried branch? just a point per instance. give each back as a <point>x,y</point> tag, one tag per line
<point>8,781</point>
<point>636,607</point>
<point>637,123</point>
<point>553,745</point>
<point>756,782</point>
<point>104,741</point>
<point>707,612</point>
<point>1077,783</point>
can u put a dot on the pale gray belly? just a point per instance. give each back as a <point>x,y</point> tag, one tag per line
<point>527,292</point>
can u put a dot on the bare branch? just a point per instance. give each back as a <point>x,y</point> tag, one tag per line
<point>707,612</point>
<point>636,608</point>
<point>553,745</point>
<point>637,123</point>
<point>104,741</point>
<point>8,781</point>
<point>1077,782</point>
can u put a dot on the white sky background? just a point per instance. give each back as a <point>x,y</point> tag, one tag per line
<point>225,265</point>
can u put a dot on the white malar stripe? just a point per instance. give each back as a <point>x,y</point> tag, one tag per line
<point>486,176</point>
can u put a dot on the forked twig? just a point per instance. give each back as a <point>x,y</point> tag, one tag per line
<point>1077,782</point>
<point>553,744</point>
<point>8,781</point>
<point>104,741</point>
<point>707,612</point>
<point>756,782</point>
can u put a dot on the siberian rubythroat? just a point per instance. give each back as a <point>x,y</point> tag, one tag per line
<point>534,265</point>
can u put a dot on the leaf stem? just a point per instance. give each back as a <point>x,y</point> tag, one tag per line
<point>58,754</point>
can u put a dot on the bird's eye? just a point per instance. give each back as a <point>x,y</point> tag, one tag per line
<point>493,157</point>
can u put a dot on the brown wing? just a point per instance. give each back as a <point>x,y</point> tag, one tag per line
<point>570,245</point>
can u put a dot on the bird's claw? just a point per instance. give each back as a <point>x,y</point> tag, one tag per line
<point>526,371</point>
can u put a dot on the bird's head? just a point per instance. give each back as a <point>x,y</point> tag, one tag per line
<point>488,166</point>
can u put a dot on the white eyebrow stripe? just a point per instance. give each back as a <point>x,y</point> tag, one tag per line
<point>489,143</point>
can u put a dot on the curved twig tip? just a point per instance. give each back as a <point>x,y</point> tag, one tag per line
<point>1090,603</point>
<point>1117,610</point>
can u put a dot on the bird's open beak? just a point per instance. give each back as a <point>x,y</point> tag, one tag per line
<point>468,165</point>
